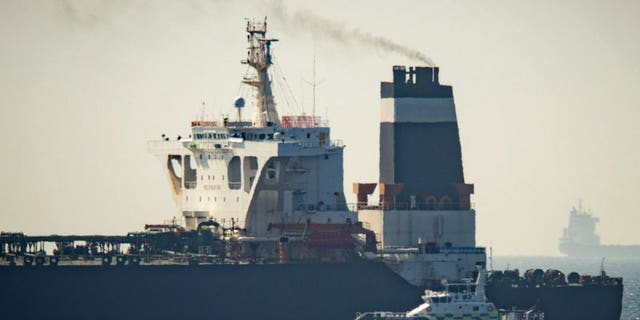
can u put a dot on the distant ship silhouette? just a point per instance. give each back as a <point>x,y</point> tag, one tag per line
<point>579,239</point>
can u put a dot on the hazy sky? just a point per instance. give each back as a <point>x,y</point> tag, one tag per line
<point>546,93</point>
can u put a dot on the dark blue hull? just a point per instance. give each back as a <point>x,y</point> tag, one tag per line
<point>292,291</point>
<point>260,291</point>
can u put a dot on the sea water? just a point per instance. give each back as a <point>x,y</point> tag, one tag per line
<point>628,268</point>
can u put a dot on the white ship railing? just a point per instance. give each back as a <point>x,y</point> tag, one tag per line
<point>422,206</point>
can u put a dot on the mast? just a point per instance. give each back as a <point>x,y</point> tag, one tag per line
<point>259,58</point>
<point>314,84</point>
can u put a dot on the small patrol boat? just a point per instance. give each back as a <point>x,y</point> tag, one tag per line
<point>464,300</point>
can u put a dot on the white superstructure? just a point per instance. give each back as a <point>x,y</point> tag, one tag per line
<point>464,300</point>
<point>248,175</point>
<point>459,300</point>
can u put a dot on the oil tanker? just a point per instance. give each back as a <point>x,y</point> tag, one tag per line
<point>265,231</point>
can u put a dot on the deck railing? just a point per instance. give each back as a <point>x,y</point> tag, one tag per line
<point>407,206</point>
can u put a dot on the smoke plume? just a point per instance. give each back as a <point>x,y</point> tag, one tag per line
<point>305,19</point>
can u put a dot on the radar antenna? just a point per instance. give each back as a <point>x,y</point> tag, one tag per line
<point>238,103</point>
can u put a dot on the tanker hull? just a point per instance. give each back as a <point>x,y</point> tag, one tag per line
<point>258,291</point>
<point>266,291</point>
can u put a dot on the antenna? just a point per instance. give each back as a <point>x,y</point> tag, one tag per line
<point>302,94</point>
<point>313,110</point>
<point>202,117</point>
<point>491,257</point>
<point>314,84</point>
<point>580,205</point>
